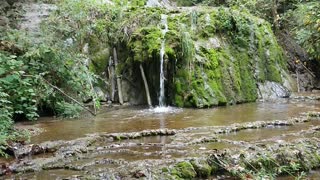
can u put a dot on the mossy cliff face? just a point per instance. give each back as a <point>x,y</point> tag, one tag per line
<point>213,56</point>
<point>219,55</point>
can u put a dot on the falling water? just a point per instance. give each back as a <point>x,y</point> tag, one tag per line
<point>194,20</point>
<point>162,51</point>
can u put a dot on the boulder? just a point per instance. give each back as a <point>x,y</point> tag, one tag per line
<point>272,90</point>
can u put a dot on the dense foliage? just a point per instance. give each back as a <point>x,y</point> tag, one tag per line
<point>39,78</point>
<point>300,17</point>
<point>304,22</point>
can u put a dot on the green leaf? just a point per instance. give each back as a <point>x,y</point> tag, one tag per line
<point>2,71</point>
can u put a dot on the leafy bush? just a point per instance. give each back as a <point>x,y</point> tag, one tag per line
<point>305,22</point>
<point>18,90</point>
<point>68,110</point>
<point>34,75</point>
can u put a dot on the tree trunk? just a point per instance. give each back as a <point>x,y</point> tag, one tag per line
<point>112,79</point>
<point>146,85</point>
<point>275,15</point>
<point>298,80</point>
<point>94,97</point>
<point>115,57</point>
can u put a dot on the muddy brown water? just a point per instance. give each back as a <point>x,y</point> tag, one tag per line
<point>136,119</point>
<point>133,119</point>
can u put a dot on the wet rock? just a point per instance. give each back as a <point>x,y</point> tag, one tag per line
<point>139,174</point>
<point>311,114</point>
<point>102,96</point>
<point>281,123</point>
<point>4,21</point>
<point>144,133</point>
<point>5,169</point>
<point>35,14</point>
<point>306,98</point>
<point>272,90</point>
<point>203,140</point>
<point>251,126</point>
<point>36,149</point>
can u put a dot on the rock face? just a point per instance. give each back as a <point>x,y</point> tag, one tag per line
<point>34,15</point>
<point>213,56</point>
<point>272,90</point>
<point>158,3</point>
<point>24,14</point>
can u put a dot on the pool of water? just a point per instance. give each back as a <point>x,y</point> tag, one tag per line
<point>138,118</point>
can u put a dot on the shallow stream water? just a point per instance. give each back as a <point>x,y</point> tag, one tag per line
<point>133,119</point>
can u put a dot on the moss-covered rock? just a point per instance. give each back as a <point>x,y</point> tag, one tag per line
<point>213,56</point>
<point>202,168</point>
<point>184,170</point>
<point>99,61</point>
<point>223,55</point>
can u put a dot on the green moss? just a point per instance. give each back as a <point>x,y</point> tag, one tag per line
<point>170,53</point>
<point>270,54</point>
<point>208,73</point>
<point>207,31</point>
<point>165,169</point>
<point>146,43</point>
<point>184,170</point>
<point>202,168</point>
<point>179,102</point>
<point>99,61</point>
<point>138,3</point>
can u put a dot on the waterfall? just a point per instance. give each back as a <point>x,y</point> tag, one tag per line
<point>208,19</point>
<point>162,52</point>
<point>162,108</point>
<point>194,20</point>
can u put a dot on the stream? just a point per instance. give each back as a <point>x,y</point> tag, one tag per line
<point>194,132</point>
<point>133,119</point>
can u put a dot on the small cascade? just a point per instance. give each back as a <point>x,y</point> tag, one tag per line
<point>162,52</point>
<point>193,22</point>
<point>162,108</point>
<point>35,13</point>
<point>208,19</point>
<point>188,50</point>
